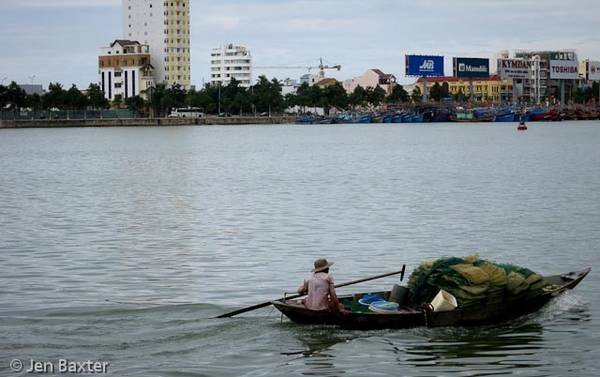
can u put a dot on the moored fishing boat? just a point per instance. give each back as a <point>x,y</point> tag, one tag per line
<point>305,119</point>
<point>470,118</point>
<point>441,117</point>
<point>326,120</point>
<point>408,314</point>
<point>506,117</point>
<point>364,118</point>
<point>543,116</point>
<point>417,118</point>
<point>406,118</point>
<point>397,118</point>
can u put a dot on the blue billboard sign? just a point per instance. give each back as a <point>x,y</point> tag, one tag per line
<point>424,66</point>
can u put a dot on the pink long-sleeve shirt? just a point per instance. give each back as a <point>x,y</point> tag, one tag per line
<point>321,291</point>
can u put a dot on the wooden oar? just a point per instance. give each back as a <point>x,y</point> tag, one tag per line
<point>262,305</point>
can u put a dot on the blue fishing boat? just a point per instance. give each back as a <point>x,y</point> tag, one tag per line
<point>417,118</point>
<point>326,121</point>
<point>406,118</point>
<point>397,118</point>
<point>345,118</point>
<point>441,118</point>
<point>388,118</point>
<point>365,118</point>
<point>506,117</point>
<point>305,119</point>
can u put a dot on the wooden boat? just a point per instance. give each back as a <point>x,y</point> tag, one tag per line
<point>357,316</point>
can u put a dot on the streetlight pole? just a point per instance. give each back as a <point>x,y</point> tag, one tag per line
<point>219,105</point>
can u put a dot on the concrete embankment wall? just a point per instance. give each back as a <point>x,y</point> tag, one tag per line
<point>144,122</point>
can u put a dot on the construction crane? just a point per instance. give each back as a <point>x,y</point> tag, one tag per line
<point>322,67</point>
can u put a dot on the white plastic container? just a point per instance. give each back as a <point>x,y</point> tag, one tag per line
<point>444,302</point>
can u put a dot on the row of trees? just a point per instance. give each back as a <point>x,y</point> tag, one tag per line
<point>13,97</point>
<point>263,97</point>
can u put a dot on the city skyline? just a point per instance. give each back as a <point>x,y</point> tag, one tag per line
<point>59,40</point>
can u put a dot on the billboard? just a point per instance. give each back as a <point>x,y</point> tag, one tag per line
<point>594,71</point>
<point>471,67</point>
<point>424,66</point>
<point>514,68</point>
<point>564,70</point>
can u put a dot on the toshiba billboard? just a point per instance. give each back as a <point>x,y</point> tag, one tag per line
<point>564,70</point>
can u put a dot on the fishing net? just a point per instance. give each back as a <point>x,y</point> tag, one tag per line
<point>473,281</point>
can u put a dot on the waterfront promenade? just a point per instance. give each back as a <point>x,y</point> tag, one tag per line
<point>145,122</point>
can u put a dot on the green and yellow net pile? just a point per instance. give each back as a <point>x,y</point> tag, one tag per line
<point>473,281</point>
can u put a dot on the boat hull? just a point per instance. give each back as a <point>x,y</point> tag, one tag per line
<point>510,117</point>
<point>410,316</point>
<point>488,118</point>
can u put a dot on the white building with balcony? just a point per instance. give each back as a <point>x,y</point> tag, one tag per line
<point>231,61</point>
<point>125,70</point>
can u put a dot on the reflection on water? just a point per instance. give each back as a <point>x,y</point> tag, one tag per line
<point>316,354</point>
<point>490,346</point>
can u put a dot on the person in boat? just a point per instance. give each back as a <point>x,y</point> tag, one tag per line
<point>320,288</point>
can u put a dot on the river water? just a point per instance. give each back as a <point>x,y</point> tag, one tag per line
<point>120,244</point>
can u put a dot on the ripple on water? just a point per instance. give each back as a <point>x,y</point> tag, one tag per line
<point>121,244</point>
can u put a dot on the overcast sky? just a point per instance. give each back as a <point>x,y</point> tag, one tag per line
<point>59,40</point>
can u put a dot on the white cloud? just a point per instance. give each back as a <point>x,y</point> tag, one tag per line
<point>60,3</point>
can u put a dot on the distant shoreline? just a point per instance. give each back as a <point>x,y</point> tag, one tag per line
<point>145,122</point>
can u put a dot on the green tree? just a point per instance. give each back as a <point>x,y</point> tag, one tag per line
<point>96,98</point>
<point>74,99</point>
<point>34,102</point>
<point>398,95</point>
<point>303,96</point>
<point>266,95</point>
<point>117,101</point>
<point>156,96</point>
<point>358,97</point>
<point>416,95</point>
<point>55,97</point>
<point>460,96</point>
<point>375,96</point>
<point>336,96</point>
<point>12,96</point>
<point>436,92</point>
<point>136,104</point>
<point>204,99</point>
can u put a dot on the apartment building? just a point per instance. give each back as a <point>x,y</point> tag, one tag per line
<point>231,61</point>
<point>164,26</point>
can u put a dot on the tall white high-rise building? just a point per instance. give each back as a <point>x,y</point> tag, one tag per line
<point>165,27</point>
<point>231,61</point>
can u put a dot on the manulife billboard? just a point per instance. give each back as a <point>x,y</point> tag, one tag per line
<point>471,67</point>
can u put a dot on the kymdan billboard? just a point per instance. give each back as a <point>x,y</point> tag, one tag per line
<point>564,70</point>
<point>514,68</point>
<point>594,71</point>
<point>423,66</point>
<point>471,67</point>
